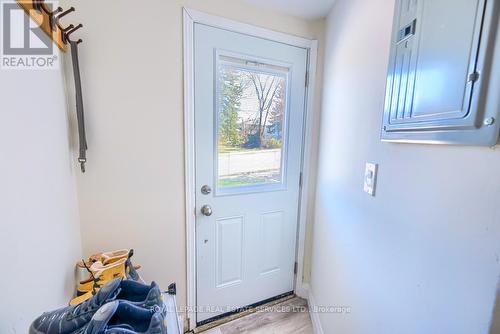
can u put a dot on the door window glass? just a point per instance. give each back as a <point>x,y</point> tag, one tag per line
<point>251,125</point>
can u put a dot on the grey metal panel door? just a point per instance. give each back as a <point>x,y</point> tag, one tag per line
<point>436,70</point>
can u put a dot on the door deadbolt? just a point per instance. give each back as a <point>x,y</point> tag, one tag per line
<point>205,190</point>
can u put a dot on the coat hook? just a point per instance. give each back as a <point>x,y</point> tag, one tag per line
<point>57,11</point>
<point>72,9</point>
<point>37,5</point>
<point>58,17</point>
<point>45,7</point>
<point>64,31</point>
<point>68,28</point>
<point>72,31</point>
<point>53,19</point>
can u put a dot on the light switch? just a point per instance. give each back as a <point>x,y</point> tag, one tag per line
<point>370,178</point>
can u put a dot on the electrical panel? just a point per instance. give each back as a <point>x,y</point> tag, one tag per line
<point>443,81</point>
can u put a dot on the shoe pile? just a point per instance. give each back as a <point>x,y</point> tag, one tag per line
<point>105,267</point>
<point>114,300</point>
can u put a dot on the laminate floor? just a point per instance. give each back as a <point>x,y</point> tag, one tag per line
<point>289,317</point>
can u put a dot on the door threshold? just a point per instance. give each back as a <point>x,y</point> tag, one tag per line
<point>242,312</point>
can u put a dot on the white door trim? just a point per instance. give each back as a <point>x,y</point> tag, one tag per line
<point>190,18</point>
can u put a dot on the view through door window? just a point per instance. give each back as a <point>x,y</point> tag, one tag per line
<point>251,125</point>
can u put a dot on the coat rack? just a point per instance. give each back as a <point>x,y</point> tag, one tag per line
<point>48,20</point>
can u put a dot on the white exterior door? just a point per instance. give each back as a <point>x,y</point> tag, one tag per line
<point>249,120</point>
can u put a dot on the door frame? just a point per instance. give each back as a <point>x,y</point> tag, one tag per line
<point>190,18</point>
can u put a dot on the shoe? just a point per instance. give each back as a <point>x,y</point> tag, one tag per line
<point>83,264</point>
<point>110,269</point>
<point>87,285</point>
<point>73,318</point>
<point>122,317</point>
<point>101,275</point>
<point>106,257</point>
<point>122,269</point>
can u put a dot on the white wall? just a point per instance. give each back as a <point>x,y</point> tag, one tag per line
<point>423,255</point>
<point>39,229</point>
<point>133,192</point>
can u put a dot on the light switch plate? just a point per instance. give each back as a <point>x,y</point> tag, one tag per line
<point>370,178</point>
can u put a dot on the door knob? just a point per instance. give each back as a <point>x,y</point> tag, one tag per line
<point>206,210</point>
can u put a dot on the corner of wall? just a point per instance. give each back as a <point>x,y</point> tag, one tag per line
<point>313,307</point>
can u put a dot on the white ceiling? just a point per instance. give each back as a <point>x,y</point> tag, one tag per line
<point>307,9</point>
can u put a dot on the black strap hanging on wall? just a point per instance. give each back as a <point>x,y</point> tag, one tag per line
<point>82,158</point>
<point>49,22</point>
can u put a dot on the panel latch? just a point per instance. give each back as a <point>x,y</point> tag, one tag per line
<point>473,77</point>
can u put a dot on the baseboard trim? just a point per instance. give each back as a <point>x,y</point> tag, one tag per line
<point>302,291</point>
<point>316,322</point>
